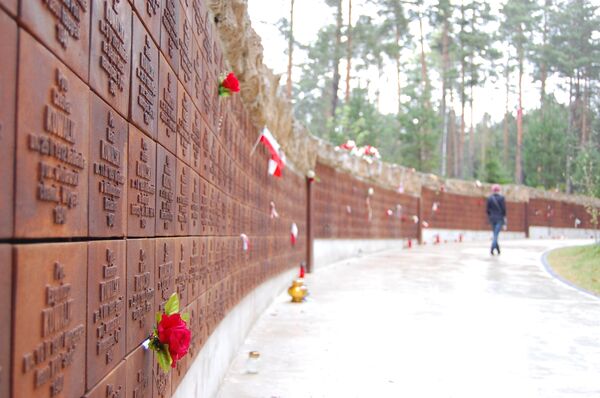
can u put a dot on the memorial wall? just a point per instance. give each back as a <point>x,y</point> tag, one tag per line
<point>125,178</point>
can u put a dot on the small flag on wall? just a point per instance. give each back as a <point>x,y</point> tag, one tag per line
<point>245,242</point>
<point>294,233</point>
<point>277,161</point>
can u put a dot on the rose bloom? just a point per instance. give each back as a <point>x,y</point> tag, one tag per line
<point>231,83</point>
<point>173,331</point>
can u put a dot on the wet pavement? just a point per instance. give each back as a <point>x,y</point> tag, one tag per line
<point>433,321</point>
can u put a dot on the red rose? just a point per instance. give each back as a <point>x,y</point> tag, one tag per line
<point>173,331</point>
<point>231,83</point>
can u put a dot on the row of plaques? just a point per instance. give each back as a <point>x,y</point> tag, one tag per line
<point>94,303</point>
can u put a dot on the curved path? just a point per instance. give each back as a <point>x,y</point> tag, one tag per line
<point>435,322</point>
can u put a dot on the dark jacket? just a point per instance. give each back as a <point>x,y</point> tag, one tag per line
<point>496,208</point>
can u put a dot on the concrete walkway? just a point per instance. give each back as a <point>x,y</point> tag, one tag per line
<point>434,321</point>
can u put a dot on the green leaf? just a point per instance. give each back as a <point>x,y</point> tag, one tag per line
<point>186,316</point>
<point>164,359</point>
<point>158,317</point>
<point>172,305</point>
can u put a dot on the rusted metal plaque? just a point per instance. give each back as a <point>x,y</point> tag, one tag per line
<point>139,373</point>
<point>141,210</point>
<point>49,325</point>
<point>169,32</point>
<point>164,271</point>
<point>167,106</point>
<point>110,58</point>
<point>52,146</point>
<point>11,6</point>
<point>107,171</point>
<point>196,140</point>
<point>63,29</point>
<point>193,283</point>
<point>178,372</point>
<point>8,82</point>
<point>5,318</point>
<point>149,11</point>
<point>161,381</point>
<point>112,386</point>
<point>183,249</point>
<point>106,313</point>
<point>144,80</point>
<point>184,125</point>
<point>140,291</point>
<point>185,49</point>
<point>194,325</point>
<point>182,187</point>
<point>195,226</point>
<point>197,73</point>
<point>166,172</point>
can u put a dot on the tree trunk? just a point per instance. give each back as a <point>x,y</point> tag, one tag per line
<point>336,61</point>
<point>461,144</point>
<point>585,136</point>
<point>290,50</point>
<point>518,166</point>
<point>506,77</point>
<point>543,67</point>
<point>424,76</point>
<point>398,71</point>
<point>349,51</point>
<point>445,63</point>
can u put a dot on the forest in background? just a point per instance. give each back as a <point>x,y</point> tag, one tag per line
<point>458,46</point>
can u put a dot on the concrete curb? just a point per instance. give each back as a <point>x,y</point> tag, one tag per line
<point>559,278</point>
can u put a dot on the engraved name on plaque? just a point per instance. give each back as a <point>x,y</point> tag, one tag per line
<point>195,225</point>
<point>142,188</point>
<point>167,121</point>
<point>182,265</point>
<point>164,271</point>
<point>144,80</point>
<point>183,182</point>
<point>185,52</point>
<point>52,146</point>
<point>169,32</point>
<point>107,198</point>
<point>140,291</point>
<point>149,11</point>
<point>112,386</point>
<point>165,196</point>
<point>184,125</point>
<point>111,52</point>
<point>50,307</point>
<point>139,373</point>
<point>106,308</point>
<point>64,27</point>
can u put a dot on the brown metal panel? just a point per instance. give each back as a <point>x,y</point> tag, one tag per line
<point>113,385</point>
<point>149,12</point>
<point>8,83</point>
<point>196,140</point>
<point>183,249</point>
<point>161,381</point>
<point>107,171</point>
<point>53,119</point>
<point>195,225</point>
<point>184,180</point>
<point>50,285</point>
<point>166,171</point>
<point>106,314</point>
<point>11,6</point>
<point>167,121</point>
<point>144,80</point>
<point>5,318</point>
<point>169,32</point>
<point>139,373</point>
<point>184,125</point>
<point>142,184</point>
<point>110,58</point>
<point>164,271</point>
<point>193,283</point>
<point>140,290</point>
<point>64,30</point>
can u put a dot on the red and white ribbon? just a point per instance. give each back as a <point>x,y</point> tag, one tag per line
<point>274,213</point>
<point>245,242</point>
<point>415,219</point>
<point>435,206</point>
<point>294,233</point>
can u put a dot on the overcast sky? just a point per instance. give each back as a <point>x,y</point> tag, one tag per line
<point>311,15</point>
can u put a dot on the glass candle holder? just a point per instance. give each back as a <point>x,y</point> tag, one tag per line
<point>252,362</point>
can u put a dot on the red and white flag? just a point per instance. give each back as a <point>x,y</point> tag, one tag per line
<point>294,233</point>
<point>277,161</point>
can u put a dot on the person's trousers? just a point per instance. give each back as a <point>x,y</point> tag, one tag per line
<point>496,227</point>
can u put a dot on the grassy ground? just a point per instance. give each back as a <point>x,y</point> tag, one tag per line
<point>580,265</point>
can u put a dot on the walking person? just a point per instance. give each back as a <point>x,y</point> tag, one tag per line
<point>496,212</point>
